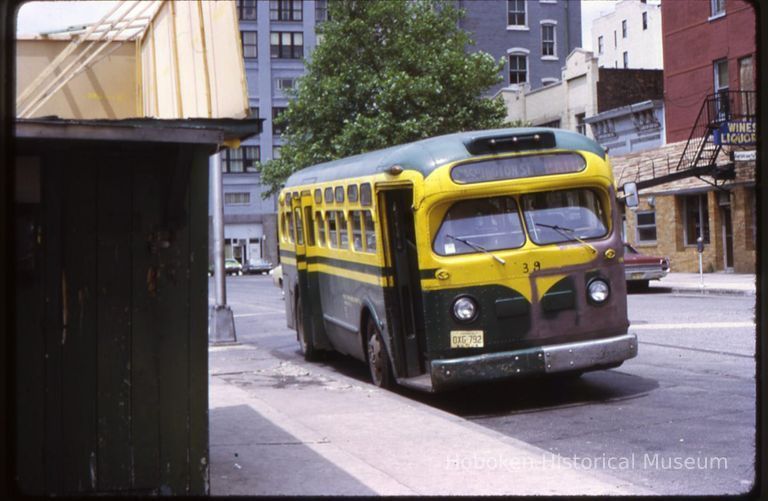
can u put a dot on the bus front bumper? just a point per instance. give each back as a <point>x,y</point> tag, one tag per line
<point>582,355</point>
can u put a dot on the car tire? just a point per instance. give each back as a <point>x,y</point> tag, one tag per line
<point>378,359</point>
<point>305,345</point>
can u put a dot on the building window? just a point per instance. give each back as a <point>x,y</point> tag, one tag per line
<point>518,69</point>
<point>547,40</point>
<point>276,151</point>
<point>321,11</point>
<point>250,42</point>
<point>516,13</point>
<point>285,83</point>
<point>276,112</point>
<point>239,160</point>
<point>624,28</point>
<point>254,112</point>
<point>285,10</point>
<point>581,127</point>
<point>246,10</point>
<point>600,46</point>
<point>646,226</point>
<point>695,218</point>
<point>286,45</point>
<point>625,57</point>
<point>718,7</point>
<point>645,20</point>
<point>237,198</point>
<point>615,40</point>
<point>721,88</point>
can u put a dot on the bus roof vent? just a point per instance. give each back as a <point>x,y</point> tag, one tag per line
<point>511,142</point>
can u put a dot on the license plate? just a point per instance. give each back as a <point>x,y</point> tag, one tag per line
<point>466,339</point>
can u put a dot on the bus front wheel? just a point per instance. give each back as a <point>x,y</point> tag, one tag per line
<point>378,359</point>
<point>307,347</point>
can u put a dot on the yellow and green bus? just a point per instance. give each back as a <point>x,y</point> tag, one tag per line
<point>469,257</point>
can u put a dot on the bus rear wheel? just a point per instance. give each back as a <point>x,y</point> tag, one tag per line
<point>307,347</point>
<point>378,359</point>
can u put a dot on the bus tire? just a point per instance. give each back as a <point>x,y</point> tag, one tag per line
<point>307,347</point>
<point>378,359</point>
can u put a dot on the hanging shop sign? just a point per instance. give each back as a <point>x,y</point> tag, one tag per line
<point>741,132</point>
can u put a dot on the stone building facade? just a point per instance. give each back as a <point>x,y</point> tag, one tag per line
<point>671,216</point>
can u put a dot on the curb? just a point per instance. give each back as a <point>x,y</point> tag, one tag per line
<point>706,291</point>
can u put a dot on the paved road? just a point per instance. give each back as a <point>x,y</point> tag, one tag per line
<point>680,418</point>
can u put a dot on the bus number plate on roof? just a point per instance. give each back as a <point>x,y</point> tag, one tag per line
<point>466,339</point>
<point>498,169</point>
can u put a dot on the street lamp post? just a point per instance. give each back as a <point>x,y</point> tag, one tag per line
<point>221,322</point>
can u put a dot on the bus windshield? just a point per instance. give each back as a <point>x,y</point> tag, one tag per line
<point>479,225</point>
<point>562,216</point>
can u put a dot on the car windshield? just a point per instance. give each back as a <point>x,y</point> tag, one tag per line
<point>480,225</point>
<point>562,216</point>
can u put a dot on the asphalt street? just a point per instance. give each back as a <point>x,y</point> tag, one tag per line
<point>678,419</point>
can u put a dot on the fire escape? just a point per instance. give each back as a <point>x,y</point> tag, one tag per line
<point>700,155</point>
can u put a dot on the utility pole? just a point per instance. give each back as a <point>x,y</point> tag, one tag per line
<point>221,322</point>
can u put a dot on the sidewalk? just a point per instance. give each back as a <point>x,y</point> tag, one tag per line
<point>737,284</point>
<point>282,427</point>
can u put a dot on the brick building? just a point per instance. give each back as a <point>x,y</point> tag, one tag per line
<point>672,215</point>
<point>701,184</point>
<point>709,47</point>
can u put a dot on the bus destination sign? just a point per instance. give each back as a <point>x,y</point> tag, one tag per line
<point>498,169</point>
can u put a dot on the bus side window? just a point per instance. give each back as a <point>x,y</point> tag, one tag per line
<point>370,232</point>
<point>320,228</point>
<point>282,226</point>
<point>343,231</point>
<point>289,217</point>
<point>333,235</point>
<point>310,226</point>
<point>357,234</point>
<point>299,228</point>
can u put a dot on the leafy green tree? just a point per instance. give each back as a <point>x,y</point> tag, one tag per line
<point>386,72</point>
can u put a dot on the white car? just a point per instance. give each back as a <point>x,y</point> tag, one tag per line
<point>277,277</point>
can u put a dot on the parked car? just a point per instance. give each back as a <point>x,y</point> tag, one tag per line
<point>640,268</point>
<point>232,267</point>
<point>260,266</point>
<point>277,276</point>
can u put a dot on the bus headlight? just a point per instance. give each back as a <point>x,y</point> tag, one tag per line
<point>598,291</point>
<point>464,309</point>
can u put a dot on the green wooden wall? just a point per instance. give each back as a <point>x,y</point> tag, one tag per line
<point>111,341</point>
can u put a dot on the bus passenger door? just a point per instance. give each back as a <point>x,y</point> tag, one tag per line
<point>306,286</point>
<point>403,300</point>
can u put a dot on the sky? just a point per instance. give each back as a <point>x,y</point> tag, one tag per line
<point>39,17</point>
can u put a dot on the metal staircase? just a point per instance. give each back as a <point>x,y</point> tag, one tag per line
<point>699,157</point>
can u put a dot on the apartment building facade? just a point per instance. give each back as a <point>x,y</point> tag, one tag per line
<point>629,36</point>
<point>533,37</point>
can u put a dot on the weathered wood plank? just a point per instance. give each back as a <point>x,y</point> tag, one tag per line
<point>172,331</point>
<point>29,359</point>
<point>114,326</point>
<point>78,342</point>
<point>145,401</point>
<point>198,327</point>
<point>52,322</point>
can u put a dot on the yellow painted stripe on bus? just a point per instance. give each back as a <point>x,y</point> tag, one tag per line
<point>352,275</point>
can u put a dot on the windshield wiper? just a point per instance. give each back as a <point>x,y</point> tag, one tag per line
<point>568,233</point>
<point>476,247</point>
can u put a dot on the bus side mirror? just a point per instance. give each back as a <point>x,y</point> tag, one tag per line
<point>630,195</point>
